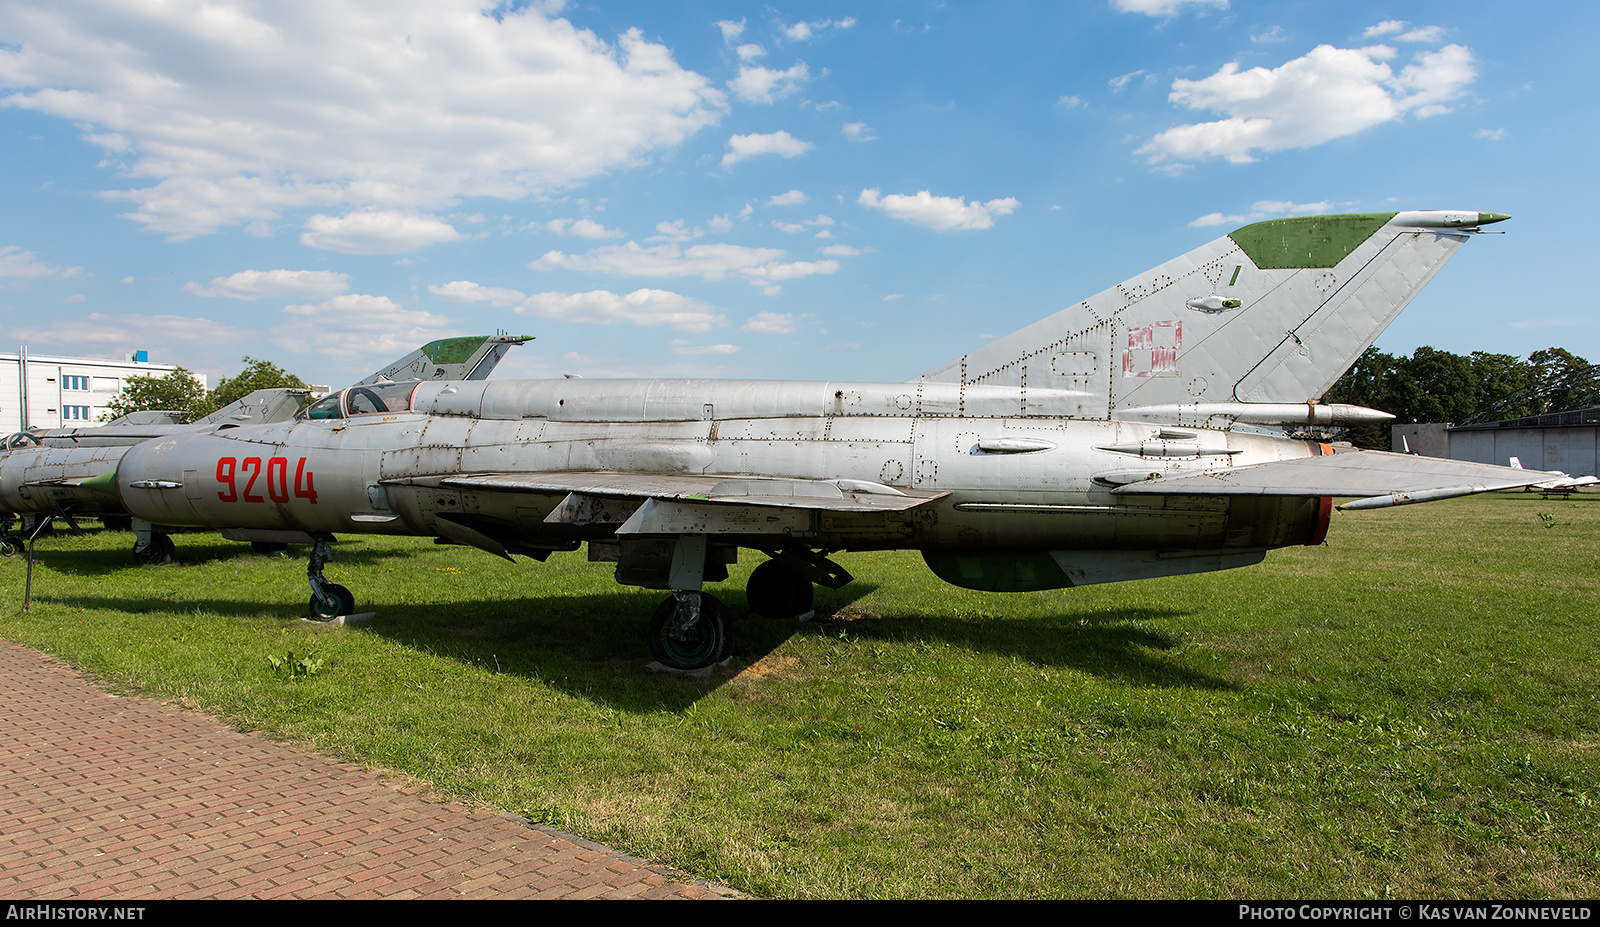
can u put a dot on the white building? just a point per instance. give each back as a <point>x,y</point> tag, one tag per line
<point>46,391</point>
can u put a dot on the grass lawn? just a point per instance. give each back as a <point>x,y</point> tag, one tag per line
<point>1409,710</point>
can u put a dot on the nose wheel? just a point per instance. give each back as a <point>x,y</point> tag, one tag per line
<point>333,601</point>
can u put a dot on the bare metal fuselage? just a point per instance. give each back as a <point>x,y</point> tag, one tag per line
<point>1013,474</point>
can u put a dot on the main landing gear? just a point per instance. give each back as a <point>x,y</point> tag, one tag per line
<point>328,600</point>
<point>151,547</point>
<point>689,630</point>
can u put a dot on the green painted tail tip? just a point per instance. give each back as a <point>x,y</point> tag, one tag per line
<point>453,350</point>
<point>1484,218</point>
<point>105,484</point>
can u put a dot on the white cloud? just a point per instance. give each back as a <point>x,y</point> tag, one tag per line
<point>938,212</point>
<point>683,347</point>
<point>582,228</point>
<point>1070,101</point>
<point>641,307</point>
<point>1328,93</point>
<point>100,329</point>
<point>1163,8</point>
<point>1275,34</point>
<point>1121,81</point>
<point>1430,35</point>
<point>14,262</point>
<point>771,323</point>
<point>730,30</point>
<point>792,198</point>
<point>801,31</point>
<point>265,284</point>
<point>1263,209</point>
<point>724,222</point>
<point>763,85</point>
<point>858,132</point>
<point>676,230</point>
<point>465,291</point>
<point>376,231</point>
<point>778,143</point>
<point>1493,135</point>
<point>761,266</point>
<point>231,114</point>
<point>1426,34</point>
<point>358,327</point>
<point>750,51</point>
<point>804,224</point>
<point>1435,78</point>
<point>840,250</point>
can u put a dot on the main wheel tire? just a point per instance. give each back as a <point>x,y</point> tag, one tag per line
<point>11,547</point>
<point>345,603</point>
<point>706,643</point>
<point>159,551</point>
<point>774,592</point>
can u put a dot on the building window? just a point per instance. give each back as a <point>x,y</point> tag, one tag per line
<point>74,413</point>
<point>74,382</point>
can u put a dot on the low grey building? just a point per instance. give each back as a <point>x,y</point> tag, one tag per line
<point>1565,441</point>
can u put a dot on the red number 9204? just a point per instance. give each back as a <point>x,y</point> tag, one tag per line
<point>230,470</point>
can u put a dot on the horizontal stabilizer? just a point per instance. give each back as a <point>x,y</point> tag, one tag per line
<point>1352,473</point>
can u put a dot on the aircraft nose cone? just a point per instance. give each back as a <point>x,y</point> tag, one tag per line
<point>1484,218</point>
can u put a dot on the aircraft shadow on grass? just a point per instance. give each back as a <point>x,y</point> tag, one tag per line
<point>587,644</point>
<point>89,563</point>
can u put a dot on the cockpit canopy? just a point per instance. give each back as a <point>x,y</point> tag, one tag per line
<point>20,439</point>
<point>374,399</point>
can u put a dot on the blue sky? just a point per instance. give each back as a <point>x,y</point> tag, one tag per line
<point>807,190</point>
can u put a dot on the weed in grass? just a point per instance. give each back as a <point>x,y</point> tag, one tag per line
<point>292,666</point>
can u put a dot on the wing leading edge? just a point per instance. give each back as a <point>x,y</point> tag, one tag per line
<point>666,505</point>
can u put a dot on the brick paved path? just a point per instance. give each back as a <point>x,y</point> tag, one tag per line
<point>108,797</point>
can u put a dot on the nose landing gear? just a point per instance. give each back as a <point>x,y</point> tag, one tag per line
<point>328,600</point>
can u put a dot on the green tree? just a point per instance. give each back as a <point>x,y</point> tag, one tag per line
<point>257,374</point>
<point>1565,381</point>
<point>178,392</point>
<point>1368,383</point>
<point>1438,386</point>
<point>1502,377</point>
<point>1433,386</point>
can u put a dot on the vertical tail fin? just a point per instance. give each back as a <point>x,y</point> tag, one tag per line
<point>261,407</point>
<point>468,358</point>
<point>1274,312</point>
